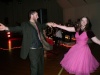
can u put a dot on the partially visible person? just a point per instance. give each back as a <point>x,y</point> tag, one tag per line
<point>79,59</point>
<point>31,43</point>
<point>58,36</point>
<point>69,23</point>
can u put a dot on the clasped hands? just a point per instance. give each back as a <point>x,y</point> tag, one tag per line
<point>52,24</point>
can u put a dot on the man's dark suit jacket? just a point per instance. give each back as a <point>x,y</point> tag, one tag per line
<point>27,30</point>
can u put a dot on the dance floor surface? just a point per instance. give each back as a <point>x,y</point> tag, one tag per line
<point>11,64</point>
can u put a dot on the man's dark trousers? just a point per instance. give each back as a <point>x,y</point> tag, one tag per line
<point>36,57</point>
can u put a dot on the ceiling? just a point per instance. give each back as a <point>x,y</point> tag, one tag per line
<point>75,3</point>
<point>63,3</point>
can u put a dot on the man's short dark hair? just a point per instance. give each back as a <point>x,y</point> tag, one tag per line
<point>30,12</point>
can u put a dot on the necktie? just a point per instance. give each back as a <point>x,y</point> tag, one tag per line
<point>34,24</point>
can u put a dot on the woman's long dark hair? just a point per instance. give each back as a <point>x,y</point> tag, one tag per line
<point>88,25</point>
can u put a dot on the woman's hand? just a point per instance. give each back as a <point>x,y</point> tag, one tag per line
<point>50,24</point>
<point>54,25</point>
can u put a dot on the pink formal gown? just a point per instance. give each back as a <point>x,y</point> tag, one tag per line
<point>79,59</point>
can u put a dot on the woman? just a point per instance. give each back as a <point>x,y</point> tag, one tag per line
<point>79,59</point>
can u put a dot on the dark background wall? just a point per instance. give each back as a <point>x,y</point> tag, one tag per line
<point>58,11</point>
<point>17,12</point>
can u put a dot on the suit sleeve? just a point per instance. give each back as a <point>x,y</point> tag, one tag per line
<point>43,26</point>
<point>16,28</point>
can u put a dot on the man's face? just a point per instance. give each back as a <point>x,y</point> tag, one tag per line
<point>84,21</point>
<point>34,16</point>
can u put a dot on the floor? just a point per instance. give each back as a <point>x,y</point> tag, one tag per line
<point>11,64</point>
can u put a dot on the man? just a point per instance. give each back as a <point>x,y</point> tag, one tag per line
<point>31,43</point>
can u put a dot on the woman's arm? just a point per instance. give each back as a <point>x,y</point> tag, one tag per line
<point>70,29</point>
<point>95,40</point>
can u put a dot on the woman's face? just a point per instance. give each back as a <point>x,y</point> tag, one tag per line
<point>84,21</point>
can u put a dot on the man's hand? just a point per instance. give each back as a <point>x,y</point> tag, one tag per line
<point>3,27</point>
<point>52,24</point>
